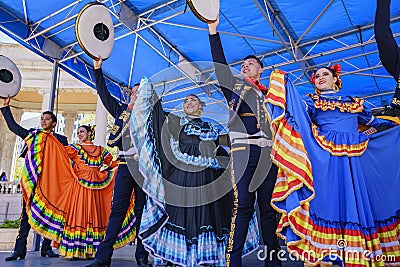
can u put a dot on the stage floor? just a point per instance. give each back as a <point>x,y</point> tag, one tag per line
<point>122,258</point>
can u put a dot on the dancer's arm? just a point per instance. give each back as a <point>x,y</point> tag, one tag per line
<point>8,117</point>
<point>112,106</point>
<point>108,160</point>
<point>366,118</point>
<point>389,51</point>
<point>222,70</point>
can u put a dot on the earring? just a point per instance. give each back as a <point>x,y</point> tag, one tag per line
<point>200,112</point>
<point>335,87</point>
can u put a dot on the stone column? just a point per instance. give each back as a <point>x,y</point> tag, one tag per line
<point>46,99</point>
<point>101,124</point>
<point>9,152</point>
<point>69,118</point>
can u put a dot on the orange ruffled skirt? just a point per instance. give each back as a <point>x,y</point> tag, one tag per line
<point>69,205</point>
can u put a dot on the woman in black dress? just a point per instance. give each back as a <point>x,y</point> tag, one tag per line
<point>186,218</point>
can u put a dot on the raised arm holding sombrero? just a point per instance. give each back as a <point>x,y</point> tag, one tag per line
<point>251,168</point>
<point>48,121</point>
<point>127,182</point>
<point>389,51</point>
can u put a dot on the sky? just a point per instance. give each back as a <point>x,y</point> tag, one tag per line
<point>5,39</point>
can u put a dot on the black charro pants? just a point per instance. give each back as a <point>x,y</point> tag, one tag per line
<point>124,184</point>
<point>244,160</point>
<point>23,232</point>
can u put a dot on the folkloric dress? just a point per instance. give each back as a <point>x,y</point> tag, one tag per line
<point>68,197</point>
<point>181,224</point>
<point>337,188</point>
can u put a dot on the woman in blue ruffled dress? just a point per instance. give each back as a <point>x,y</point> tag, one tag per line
<point>186,218</point>
<point>337,188</point>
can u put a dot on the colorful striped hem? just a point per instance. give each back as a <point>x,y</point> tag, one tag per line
<point>32,167</point>
<point>325,104</point>
<point>339,150</point>
<point>95,161</point>
<point>172,246</point>
<point>127,233</point>
<point>99,184</point>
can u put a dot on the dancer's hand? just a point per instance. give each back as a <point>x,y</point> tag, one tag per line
<point>212,26</point>
<point>97,63</point>
<point>134,95</point>
<point>5,101</point>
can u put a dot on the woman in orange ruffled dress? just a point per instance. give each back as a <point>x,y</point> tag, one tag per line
<point>69,195</point>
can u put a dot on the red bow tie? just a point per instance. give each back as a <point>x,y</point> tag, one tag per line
<point>256,84</point>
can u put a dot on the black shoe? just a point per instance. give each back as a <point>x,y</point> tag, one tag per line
<point>143,262</point>
<point>15,255</point>
<point>49,253</point>
<point>99,263</point>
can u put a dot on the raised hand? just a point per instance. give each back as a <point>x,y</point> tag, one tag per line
<point>212,26</point>
<point>97,63</point>
<point>5,101</point>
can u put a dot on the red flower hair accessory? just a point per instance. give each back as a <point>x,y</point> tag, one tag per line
<point>312,79</point>
<point>337,68</point>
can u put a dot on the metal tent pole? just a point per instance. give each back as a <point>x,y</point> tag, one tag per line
<point>54,78</point>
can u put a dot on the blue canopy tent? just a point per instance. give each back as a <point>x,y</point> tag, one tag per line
<point>163,40</point>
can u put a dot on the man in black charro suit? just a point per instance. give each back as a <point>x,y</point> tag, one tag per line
<point>252,173</point>
<point>128,176</point>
